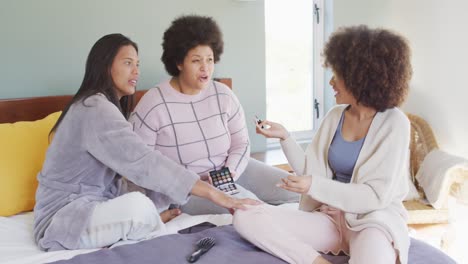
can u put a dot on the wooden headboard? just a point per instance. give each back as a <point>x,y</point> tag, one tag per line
<point>34,108</point>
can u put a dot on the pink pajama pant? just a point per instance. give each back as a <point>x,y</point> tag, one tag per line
<point>298,237</point>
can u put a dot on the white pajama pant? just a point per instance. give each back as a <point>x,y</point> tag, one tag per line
<point>131,216</point>
<point>298,237</point>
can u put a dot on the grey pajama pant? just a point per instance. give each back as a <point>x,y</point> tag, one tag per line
<point>257,182</point>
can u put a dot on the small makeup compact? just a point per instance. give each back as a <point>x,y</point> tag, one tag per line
<point>222,180</point>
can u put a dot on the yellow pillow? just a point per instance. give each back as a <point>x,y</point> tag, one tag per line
<point>22,152</point>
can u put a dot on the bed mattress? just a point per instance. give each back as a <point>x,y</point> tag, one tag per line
<point>17,244</point>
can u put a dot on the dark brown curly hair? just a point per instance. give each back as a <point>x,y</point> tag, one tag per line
<point>373,63</point>
<point>185,33</point>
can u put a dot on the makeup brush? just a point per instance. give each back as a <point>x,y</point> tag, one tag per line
<point>202,246</point>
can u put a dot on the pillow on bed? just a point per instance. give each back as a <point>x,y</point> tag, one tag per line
<point>22,152</point>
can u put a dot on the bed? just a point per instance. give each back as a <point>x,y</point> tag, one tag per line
<point>17,244</point>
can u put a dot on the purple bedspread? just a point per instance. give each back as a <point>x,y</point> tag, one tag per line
<point>229,248</point>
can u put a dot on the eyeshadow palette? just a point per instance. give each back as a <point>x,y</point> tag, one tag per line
<point>222,180</point>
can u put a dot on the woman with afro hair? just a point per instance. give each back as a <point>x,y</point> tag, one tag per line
<point>353,175</point>
<point>198,122</point>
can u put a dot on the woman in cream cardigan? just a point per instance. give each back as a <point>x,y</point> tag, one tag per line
<point>352,175</point>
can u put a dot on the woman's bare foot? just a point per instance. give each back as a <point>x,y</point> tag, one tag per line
<point>321,260</point>
<point>170,214</point>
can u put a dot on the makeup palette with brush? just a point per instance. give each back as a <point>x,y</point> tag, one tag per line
<point>222,180</point>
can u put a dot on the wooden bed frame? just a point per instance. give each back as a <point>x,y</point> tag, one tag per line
<point>34,108</point>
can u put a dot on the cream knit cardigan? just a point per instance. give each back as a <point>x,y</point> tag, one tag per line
<point>375,194</point>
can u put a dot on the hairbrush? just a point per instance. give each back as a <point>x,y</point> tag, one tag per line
<point>201,247</point>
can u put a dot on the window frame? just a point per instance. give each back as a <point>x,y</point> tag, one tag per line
<point>318,78</point>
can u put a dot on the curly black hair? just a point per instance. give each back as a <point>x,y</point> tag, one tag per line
<point>185,33</point>
<point>373,63</point>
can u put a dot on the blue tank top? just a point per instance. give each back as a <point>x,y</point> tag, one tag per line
<point>342,155</point>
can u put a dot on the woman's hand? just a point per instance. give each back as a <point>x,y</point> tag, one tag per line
<point>271,130</point>
<point>204,190</point>
<point>206,178</point>
<point>297,184</point>
<point>224,200</point>
<point>233,175</point>
<point>324,208</point>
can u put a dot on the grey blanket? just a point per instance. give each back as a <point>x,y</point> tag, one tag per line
<point>229,248</point>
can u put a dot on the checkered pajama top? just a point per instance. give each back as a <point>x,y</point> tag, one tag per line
<point>202,132</point>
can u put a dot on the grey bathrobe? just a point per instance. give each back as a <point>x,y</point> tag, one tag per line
<point>92,144</point>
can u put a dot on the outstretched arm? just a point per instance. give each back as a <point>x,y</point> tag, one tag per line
<point>239,151</point>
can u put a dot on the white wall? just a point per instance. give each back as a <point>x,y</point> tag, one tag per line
<point>437,34</point>
<point>44,44</point>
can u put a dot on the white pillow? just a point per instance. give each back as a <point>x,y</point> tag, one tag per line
<point>437,174</point>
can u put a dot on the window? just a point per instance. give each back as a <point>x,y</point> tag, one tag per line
<point>294,75</point>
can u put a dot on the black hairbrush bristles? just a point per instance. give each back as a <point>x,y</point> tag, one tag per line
<point>202,246</point>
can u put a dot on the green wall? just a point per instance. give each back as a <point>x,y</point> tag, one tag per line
<point>44,44</point>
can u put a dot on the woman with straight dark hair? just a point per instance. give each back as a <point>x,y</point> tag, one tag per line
<point>81,201</point>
